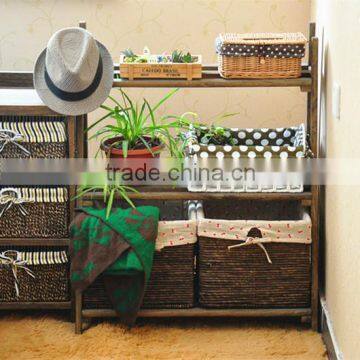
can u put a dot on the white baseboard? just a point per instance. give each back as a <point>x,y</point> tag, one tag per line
<point>327,329</point>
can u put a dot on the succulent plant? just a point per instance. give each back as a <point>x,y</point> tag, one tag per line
<point>179,57</point>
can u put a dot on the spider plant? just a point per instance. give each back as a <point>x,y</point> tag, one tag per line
<point>109,191</point>
<point>135,127</point>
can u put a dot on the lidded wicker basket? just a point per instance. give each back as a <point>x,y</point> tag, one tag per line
<point>260,55</point>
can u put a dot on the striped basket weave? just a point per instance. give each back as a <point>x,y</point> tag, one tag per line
<point>28,212</point>
<point>33,276</point>
<point>172,277</point>
<point>260,55</point>
<point>260,262</point>
<point>33,137</point>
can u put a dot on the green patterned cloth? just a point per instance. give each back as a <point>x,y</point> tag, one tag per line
<point>121,248</point>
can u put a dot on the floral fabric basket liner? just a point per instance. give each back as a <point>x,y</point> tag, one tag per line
<point>265,45</point>
<point>177,232</point>
<point>26,132</point>
<point>280,143</point>
<point>255,232</point>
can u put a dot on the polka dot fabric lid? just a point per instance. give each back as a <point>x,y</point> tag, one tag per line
<point>281,45</point>
<point>252,143</point>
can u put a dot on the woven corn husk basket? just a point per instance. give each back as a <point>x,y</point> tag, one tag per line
<point>172,278</point>
<point>33,137</point>
<point>27,212</point>
<point>260,55</point>
<point>270,265</point>
<point>29,275</point>
<point>237,144</point>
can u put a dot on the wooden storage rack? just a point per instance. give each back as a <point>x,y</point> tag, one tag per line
<point>14,101</point>
<point>308,82</point>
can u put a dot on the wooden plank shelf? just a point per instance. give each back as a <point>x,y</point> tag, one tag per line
<point>180,193</point>
<point>202,312</point>
<point>22,102</point>
<point>60,305</point>
<point>212,79</point>
<point>34,242</point>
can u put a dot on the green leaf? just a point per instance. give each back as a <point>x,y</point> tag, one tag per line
<point>110,203</point>
<point>125,145</point>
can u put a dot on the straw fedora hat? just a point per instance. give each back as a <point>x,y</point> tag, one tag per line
<point>74,74</point>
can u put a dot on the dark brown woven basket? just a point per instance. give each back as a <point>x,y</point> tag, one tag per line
<point>50,284</point>
<point>242,277</point>
<point>41,137</point>
<point>43,220</point>
<point>171,283</point>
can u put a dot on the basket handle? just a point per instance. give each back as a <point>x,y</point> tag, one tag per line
<point>277,37</point>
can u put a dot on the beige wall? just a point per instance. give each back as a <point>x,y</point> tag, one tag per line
<point>340,23</point>
<point>26,25</point>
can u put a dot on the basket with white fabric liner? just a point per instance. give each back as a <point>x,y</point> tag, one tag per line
<point>34,274</point>
<point>34,212</point>
<point>171,284</point>
<point>233,146</point>
<point>254,255</point>
<point>33,137</point>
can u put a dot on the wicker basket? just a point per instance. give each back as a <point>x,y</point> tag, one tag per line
<point>261,55</point>
<point>33,137</point>
<point>29,275</point>
<point>278,143</point>
<point>270,265</point>
<point>34,212</point>
<point>172,279</point>
<point>187,71</point>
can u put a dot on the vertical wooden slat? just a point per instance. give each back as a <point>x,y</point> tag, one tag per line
<point>82,24</point>
<point>78,312</point>
<point>311,35</point>
<point>314,188</point>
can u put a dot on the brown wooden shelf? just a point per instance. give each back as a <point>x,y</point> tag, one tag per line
<point>22,102</point>
<point>212,79</point>
<point>35,305</point>
<point>202,312</point>
<point>180,193</point>
<point>34,242</point>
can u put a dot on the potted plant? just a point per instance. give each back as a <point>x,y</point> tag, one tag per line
<point>136,132</point>
<point>178,65</point>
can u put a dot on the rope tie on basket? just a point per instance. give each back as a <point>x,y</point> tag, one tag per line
<point>12,258</point>
<point>10,197</point>
<point>253,241</point>
<point>8,136</point>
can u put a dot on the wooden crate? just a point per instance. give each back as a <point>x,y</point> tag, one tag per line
<point>160,71</point>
